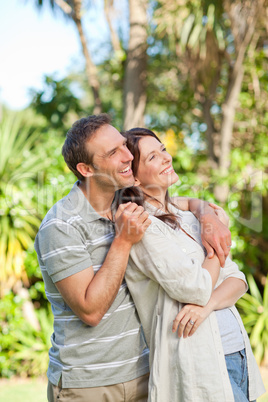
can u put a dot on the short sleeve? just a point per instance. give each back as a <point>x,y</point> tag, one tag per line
<point>60,250</point>
<point>231,270</point>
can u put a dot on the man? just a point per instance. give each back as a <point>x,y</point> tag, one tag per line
<point>98,350</point>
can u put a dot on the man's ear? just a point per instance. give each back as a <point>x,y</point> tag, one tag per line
<point>137,182</point>
<point>84,170</point>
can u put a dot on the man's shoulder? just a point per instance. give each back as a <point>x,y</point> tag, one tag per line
<point>64,215</point>
<point>62,211</point>
<point>61,223</point>
<point>67,208</point>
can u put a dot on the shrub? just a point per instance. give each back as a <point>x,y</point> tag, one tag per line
<point>254,312</point>
<point>23,350</point>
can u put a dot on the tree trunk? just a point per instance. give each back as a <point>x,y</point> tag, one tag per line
<point>228,116</point>
<point>135,74</point>
<point>210,132</point>
<point>114,37</point>
<point>91,69</point>
<point>243,22</point>
<point>234,88</point>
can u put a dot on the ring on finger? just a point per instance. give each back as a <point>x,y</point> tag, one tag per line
<point>191,322</point>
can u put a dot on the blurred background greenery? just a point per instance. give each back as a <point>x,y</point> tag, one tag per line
<point>195,72</point>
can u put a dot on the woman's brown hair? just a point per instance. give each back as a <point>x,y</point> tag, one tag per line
<point>135,194</point>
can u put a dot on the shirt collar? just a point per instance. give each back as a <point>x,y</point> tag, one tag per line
<point>81,205</point>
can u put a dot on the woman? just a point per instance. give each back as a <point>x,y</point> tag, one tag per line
<point>168,268</point>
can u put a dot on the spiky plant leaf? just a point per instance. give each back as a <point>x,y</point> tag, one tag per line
<point>19,164</point>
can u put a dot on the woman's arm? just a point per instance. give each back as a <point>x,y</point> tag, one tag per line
<point>170,262</point>
<point>225,295</point>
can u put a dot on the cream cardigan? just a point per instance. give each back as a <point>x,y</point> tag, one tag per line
<point>164,272</point>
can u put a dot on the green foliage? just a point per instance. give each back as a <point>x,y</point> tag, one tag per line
<point>56,102</point>
<point>19,165</point>
<point>254,311</point>
<point>190,22</point>
<point>33,177</point>
<point>23,350</point>
<point>55,181</point>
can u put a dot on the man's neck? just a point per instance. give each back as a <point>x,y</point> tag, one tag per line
<point>99,198</point>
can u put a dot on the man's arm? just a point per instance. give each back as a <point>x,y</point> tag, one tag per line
<point>183,203</point>
<point>215,235</point>
<point>89,295</point>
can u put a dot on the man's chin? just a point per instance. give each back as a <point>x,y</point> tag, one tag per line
<point>127,185</point>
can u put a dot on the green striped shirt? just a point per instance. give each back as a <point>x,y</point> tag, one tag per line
<point>71,238</point>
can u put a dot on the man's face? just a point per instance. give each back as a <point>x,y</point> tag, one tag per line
<point>111,159</point>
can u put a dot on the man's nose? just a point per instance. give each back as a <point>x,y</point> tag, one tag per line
<point>128,155</point>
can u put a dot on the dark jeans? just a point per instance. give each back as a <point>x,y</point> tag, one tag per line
<point>238,373</point>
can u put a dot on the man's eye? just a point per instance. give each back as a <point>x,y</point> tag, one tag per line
<point>164,149</point>
<point>152,157</point>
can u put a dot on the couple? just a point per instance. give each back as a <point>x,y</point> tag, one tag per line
<point>99,349</point>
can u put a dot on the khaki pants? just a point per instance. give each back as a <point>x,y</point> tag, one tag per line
<point>131,391</point>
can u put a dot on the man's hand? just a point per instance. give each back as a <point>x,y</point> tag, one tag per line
<point>221,214</point>
<point>215,236</point>
<point>131,221</point>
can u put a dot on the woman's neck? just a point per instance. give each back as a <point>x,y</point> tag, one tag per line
<point>157,202</point>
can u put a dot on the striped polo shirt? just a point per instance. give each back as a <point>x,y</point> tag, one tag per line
<point>71,238</point>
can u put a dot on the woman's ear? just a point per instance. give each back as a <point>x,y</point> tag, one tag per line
<point>84,170</point>
<point>137,182</point>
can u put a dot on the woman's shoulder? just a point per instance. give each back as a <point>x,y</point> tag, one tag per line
<point>157,224</point>
<point>158,228</point>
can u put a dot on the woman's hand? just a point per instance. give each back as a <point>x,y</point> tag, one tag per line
<point>221,214</point>
<point>189,319</point>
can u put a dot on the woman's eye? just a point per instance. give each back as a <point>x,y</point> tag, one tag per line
<point>152,157</point>
<point>164,149</point>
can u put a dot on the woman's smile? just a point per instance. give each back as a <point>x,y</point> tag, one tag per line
<point>168,170</point>
<point>155,171</point>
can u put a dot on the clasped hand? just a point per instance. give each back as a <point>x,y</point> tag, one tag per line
<point>131,221</point>
<point>189,319</point>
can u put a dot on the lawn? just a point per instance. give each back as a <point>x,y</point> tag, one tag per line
<point>34,390</point>
<point>23,390</point>
<point>264,374</point>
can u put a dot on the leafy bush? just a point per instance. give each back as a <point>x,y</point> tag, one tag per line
<point>19,163</point>
<point>23,350</point>
<point>254,312</point>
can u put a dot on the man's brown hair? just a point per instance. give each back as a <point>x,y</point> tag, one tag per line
<point>74,149</point>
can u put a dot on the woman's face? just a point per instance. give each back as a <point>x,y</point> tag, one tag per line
<point>155,172</point>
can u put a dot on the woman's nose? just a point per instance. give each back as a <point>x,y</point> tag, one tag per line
<point>167,158</point>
